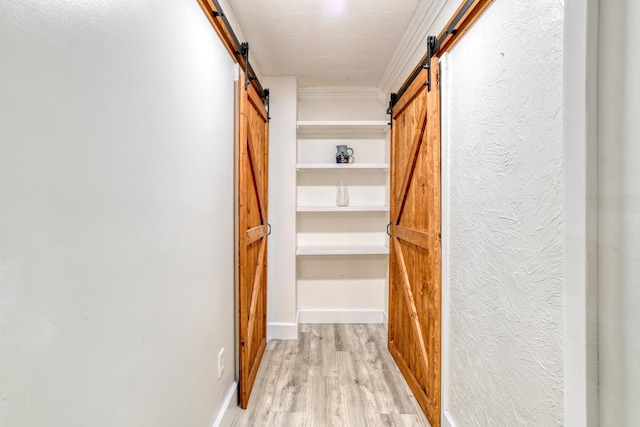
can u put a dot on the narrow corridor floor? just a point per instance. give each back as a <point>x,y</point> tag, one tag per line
<point>333,376</point>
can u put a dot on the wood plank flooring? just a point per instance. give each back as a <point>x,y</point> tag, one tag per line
<point>334,375</point>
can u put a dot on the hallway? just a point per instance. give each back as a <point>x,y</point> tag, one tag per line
<point>121,131</point>
<point>333,375</point>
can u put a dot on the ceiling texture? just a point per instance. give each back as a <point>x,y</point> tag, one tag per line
<point>324,43</point>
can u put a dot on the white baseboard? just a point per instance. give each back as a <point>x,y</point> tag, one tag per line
<point>447,420</point>
<point>385,320</point>
<point>229,408</point>
<point>340,316</point>
<point>282,331</point>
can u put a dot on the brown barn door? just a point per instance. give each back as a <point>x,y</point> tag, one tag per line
<point>415,262</point>
<point>253,230</point>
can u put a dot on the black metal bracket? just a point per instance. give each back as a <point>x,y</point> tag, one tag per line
<point>388,225</point>
<point>265,95</point>
<point>392,101</point>
<point>244,51</point>
<point>431,42</point>
<point>269,233</point>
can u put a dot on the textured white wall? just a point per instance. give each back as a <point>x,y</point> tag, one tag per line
<point>619,213</point>
<point>116,218</point>
<point>505,362</point>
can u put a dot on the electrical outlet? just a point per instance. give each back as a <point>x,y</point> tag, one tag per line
<point>220,363</point>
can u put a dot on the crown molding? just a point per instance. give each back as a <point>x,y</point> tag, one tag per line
<point>340,92</point>
<point>415,36</point>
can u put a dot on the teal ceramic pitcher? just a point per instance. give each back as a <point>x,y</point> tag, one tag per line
<point>344,154</point>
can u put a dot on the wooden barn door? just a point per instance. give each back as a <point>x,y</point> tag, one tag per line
<point>253,230</point>
<point>415,261</point>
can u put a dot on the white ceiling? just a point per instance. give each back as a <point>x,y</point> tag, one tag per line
<point>324,42</point>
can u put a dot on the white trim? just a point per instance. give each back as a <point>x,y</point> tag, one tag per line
<point>229,407</point>
<point>385,320</point>
<point>282,331</point>
<point>415,36</point>
<point>579,195</point>
<point>337,92</point>
<point>340,316</point>
<point>445,230</point>
<point>447,420</point>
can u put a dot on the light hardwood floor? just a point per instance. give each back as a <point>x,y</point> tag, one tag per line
<point>334,375</point>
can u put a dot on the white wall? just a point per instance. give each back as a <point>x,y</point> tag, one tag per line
<point>282,303</point>
<point>341,104</point>
<point>505,236</point>
<point>116,218</point>
<point>619,213</point>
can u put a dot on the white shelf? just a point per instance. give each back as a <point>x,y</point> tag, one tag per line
<point>343,250</point>
<point>342,166</point>
<point>343,127</point>
<point>342,209</point>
